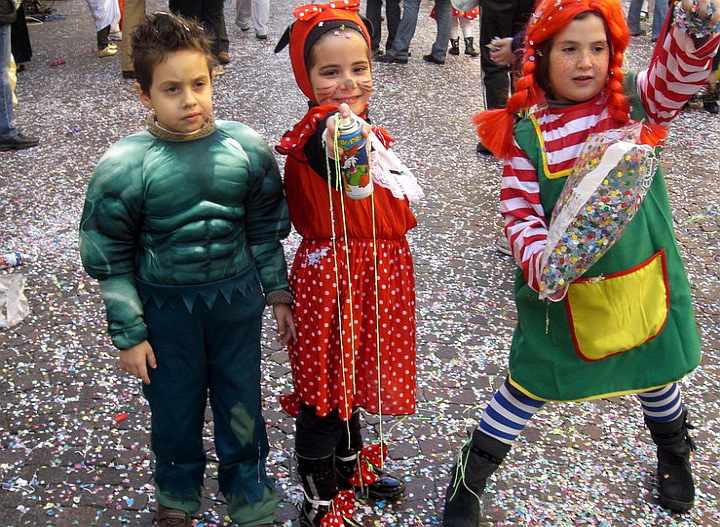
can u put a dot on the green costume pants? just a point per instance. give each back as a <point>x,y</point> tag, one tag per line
<point>210,347</point>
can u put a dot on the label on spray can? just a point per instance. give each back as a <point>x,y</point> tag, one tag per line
<point>354,159</point>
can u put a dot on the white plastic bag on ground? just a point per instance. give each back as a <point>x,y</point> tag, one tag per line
<point>13,303</point>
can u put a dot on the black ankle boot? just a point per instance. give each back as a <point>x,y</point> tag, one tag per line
<point>470,47</point>
<point>676,489</point>
<point>479,458</point>
<point>385,487</point>
<point>710,100</point>
<point>454,46</point>
<point>319,482</point>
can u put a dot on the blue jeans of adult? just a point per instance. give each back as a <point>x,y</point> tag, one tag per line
<point>659,15</point>
<point>6,109</point>
<point>392,17</point>
<point>443,18</point>
<point>406,29</point>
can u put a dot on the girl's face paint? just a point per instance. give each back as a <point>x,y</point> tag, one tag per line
<point>579,60</point>
<point>341,70</point>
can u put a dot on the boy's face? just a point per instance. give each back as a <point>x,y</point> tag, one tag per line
<point>181,91</point>
<point>341,71</point>
<point>579,58</point>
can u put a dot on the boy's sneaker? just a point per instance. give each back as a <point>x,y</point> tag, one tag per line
<point>165,517</point>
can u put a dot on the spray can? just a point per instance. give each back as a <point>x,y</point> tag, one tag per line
<point>354,158</point>
<point>15,259</point>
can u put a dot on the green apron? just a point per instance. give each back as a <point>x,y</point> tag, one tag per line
<point>627,325</point>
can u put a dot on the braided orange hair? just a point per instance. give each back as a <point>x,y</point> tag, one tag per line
<point>495,127</point>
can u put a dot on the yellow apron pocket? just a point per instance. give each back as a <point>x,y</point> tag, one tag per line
<point>618,312</point>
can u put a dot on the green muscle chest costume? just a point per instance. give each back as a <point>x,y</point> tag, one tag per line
<point>181,214</point>
<point>631,328</point>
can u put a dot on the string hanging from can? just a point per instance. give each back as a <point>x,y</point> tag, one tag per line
<point>338,187</point>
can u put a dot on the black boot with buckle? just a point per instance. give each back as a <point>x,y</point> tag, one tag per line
<point>470,47</point>
<point>347,453</point>
<point>479,458</point>
<point>676,489</point>
<point>319,483</point>
<point>454,46</point>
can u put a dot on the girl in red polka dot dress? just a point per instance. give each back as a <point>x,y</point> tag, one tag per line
<point>355,345</point>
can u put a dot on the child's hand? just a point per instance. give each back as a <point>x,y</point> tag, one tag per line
<point>135,360</point>
<point>704,9</point>
<point>501,51</point>
<point>344,111</point>
<point>285,325</point>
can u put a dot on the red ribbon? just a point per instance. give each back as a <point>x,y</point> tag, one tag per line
<point>342,506</point>
<point>369,458</point>
<point>310,11</point>
<point>384,136</point>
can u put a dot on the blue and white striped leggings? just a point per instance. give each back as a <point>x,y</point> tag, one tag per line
<point>510,410</point>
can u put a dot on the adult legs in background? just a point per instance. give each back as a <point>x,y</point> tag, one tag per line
<point>443,19</point>
<point>134,15</point>
<point>399,52</point>
<point>255,14</point>
<point>633,17</point>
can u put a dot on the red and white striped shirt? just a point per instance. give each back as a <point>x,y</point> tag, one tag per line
<point>677,70</point>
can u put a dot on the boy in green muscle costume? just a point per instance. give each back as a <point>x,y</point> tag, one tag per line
<point>182,227</point>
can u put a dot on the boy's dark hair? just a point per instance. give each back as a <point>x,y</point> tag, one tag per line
<point>161,34</point>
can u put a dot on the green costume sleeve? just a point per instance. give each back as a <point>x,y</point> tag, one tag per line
<point>267,220</point>
<point>109,229</point>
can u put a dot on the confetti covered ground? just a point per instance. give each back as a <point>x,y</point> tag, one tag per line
<point>74,429</point>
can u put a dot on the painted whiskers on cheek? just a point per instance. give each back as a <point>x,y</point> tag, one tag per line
<point>366,87</point>
<point>325,92</point>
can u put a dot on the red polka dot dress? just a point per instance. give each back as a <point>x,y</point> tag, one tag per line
<point>327,374</point>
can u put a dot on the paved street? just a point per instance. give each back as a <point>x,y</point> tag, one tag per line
<point>74,429</point>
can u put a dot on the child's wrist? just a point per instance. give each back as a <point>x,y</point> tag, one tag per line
<point>281,296</point>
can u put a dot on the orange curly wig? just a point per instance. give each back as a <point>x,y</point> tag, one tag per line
<point>495,127</point>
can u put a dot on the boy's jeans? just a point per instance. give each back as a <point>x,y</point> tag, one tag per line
<point>659,15</point>
<point>215,349</point>
<point>6,110</point>
<point>406,29</point>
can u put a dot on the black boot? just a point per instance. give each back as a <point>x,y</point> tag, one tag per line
<point>454,46</point>
<point>710,100</point>
<point>470,47</point>
<point>479,458</point>
<point>676,489</point>
<point>386,487</point>
<point>319,482</point>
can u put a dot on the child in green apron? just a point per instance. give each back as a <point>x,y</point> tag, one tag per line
<point>627,325</point>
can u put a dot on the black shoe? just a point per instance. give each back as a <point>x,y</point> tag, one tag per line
<point>454,46</point>
<point>128,74</point>
<point>479,458</point>
<point>432,59</point>
<point>676,489</point>
<point>712,107</point>
<point>386,487</point>
<point>639,33</point>
<point>470,47</point>
<point>480,149</point>
<point>389,58</point>
<point>17,141</point>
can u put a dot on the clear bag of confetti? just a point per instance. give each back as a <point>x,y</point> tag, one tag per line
<point>601,196</point>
